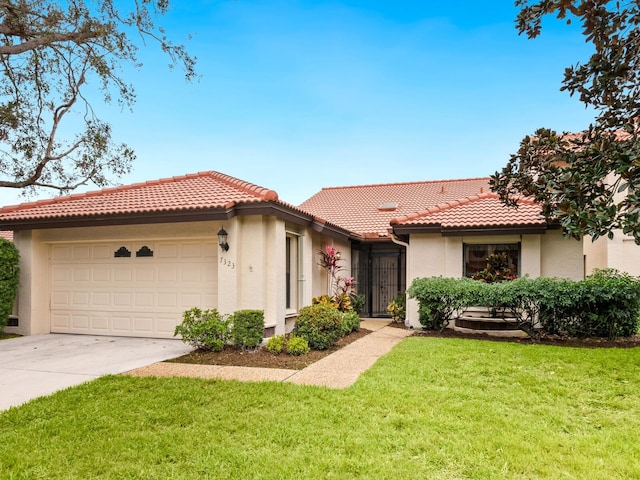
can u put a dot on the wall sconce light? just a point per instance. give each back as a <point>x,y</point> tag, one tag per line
<point>222,240</point>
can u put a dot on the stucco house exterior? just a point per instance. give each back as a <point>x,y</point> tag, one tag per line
<point>129,260</point>
<point>439,228</point>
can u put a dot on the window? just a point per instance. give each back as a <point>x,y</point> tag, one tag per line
<point>475,256</point>
<point>292,272</point>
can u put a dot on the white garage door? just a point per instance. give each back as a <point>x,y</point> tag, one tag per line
<point>137,289</point>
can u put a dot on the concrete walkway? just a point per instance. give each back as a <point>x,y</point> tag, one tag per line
<point>337,370</point>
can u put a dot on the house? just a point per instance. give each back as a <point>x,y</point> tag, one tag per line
<point>129,260</point>
<point>620,252</point>
<point>439,228</point>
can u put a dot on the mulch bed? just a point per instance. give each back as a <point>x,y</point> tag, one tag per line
<point>262,358</point>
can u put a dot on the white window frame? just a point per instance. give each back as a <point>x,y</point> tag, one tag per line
<point>293,272</point>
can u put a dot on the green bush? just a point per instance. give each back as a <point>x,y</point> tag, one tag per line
<point>204,329</point>
<point>441,299</point>
<point>397,308</point>
<point>320,325</point>
<point>9,279</point>
<point>605,304</point>
<point>247,328</point>
<point>350,322</point>
<point>297,346</point>
<point>357,302</point>
<point>275,344</point>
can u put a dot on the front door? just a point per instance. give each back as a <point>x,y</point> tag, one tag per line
<point>384,283</point>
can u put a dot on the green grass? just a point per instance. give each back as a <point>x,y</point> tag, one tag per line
<point>433,408</point>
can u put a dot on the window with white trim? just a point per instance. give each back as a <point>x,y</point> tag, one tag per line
<point>475,256</point>
<point>293,272</point>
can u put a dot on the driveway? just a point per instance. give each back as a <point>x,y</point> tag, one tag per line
<point>37,365</point>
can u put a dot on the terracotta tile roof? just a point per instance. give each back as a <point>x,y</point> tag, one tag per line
<point>7,235</point>
<point>357,208</point>
<point>189,192</point>
<point>484,210</point>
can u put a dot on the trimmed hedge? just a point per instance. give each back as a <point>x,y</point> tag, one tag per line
<point>9,279</point>
<point>247,328</point>
<point>605,304</point>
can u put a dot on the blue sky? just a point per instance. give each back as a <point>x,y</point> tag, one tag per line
<point>300,95</point>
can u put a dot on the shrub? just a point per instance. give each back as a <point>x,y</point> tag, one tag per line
<point>297,346</point>
<point>320,325</point>
<point>357,302</point>
<point>350,322</point>
<point>275,344</point>
<point>440,299</point>
<point>247,328</point>
<point>204,329</point>
<point>606,304</point>
<point>397,308</point>
<point>343,301</point>
<point>324,300</point>
<point>616,303</point>
<point>9,278</point>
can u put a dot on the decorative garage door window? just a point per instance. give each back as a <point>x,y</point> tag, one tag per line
<point>475,256</point>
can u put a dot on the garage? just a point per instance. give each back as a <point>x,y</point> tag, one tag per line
<point>130,288</point>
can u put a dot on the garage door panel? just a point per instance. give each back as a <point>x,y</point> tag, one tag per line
<point>81,252</point>
<point>122,299</point>
<point>168,300</point>
<point>94,292</point>
<point>144,299</point>
<point>62,273</point>
<point>102,252</point>
<point>60,321</point>
<point>60,252</point>
<point>123,274</point>
<point>101,273</point>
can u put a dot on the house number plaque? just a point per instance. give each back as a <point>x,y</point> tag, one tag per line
<point>227,263</point>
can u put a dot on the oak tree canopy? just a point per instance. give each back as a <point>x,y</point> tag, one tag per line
<point>50,52</point>
<point>588,181</point>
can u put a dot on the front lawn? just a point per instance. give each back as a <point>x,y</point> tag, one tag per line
<point>433,408</point>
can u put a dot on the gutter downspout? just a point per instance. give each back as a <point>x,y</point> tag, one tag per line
<point>397,241</point>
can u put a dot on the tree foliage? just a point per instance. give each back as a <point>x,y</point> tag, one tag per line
<point>51,52</point>
<point>590,181</point>
<point>9,279</point>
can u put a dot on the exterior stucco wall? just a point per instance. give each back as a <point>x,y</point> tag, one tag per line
<point>432,255</point>
<point>320,278</point>
<point>595,254</point>
<point>620,253</point>
<point>561,257</point>
<point>250,275</point>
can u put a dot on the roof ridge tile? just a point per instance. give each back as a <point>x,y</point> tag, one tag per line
<point>393,184</point>
<point>252,188</point>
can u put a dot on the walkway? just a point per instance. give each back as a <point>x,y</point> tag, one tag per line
<point>338,370</point>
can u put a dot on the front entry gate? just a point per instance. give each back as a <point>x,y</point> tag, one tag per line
<point>379,275</point>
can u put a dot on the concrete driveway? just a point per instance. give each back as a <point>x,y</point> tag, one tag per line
<point>37,365</point>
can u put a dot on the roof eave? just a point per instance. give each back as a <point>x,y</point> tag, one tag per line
<point>470,231</point>
<point>289,214</point>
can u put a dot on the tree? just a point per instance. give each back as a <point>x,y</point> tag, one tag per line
<point>589,182</point>
<point>50,53</point>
